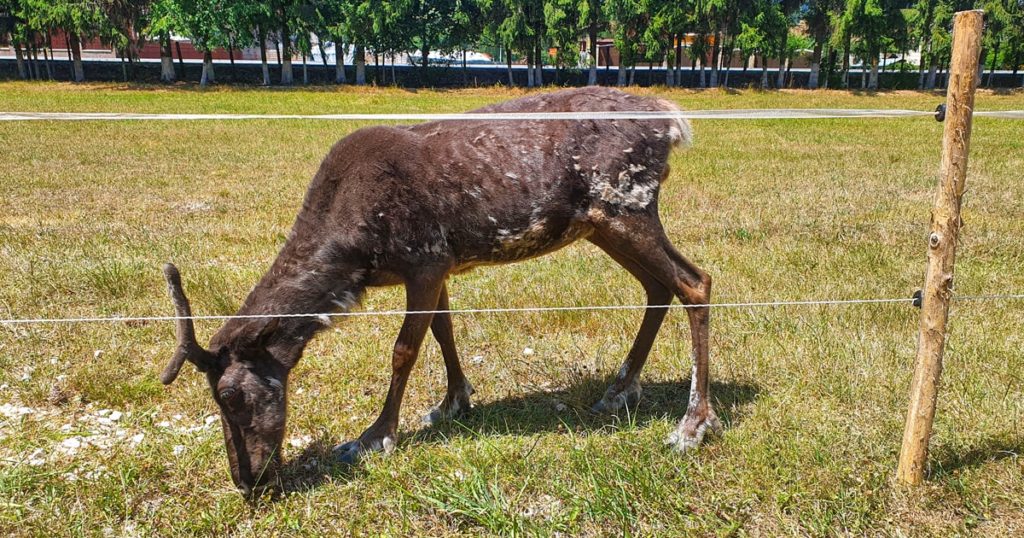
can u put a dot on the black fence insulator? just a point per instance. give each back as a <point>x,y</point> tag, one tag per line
<point>940,113</point>
<point>917,297</point>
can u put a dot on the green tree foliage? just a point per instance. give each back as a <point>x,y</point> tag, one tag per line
<point>707,32</point>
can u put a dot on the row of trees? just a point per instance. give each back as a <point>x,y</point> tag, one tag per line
<point>667,32</point>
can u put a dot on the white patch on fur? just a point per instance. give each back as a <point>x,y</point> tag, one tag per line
<point>624,192</point>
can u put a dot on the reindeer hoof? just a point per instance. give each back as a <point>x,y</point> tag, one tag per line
<point>351,452</point>
<point>615,400</point>
<point>452,406</point>
<point>691,430</point>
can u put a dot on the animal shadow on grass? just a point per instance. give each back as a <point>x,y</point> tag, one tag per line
<point>568,409</point>
<point>949,460</point>
<point>524,414</point>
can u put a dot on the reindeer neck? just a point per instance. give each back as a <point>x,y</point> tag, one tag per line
<point>298,284</point>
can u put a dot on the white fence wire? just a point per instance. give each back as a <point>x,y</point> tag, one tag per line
<point>529,309</point>
<point>738,114</point>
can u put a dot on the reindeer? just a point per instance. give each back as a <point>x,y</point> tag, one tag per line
<point>411,205</point>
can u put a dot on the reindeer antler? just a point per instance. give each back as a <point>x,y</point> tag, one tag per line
<point>188,348</point>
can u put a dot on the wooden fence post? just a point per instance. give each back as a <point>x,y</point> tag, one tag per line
<point>945,227</point>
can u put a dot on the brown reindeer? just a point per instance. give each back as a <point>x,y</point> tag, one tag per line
<point>412,205</point>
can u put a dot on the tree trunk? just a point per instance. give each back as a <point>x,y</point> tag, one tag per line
<point>992,66</point>
<point>529,68</point>
<point>873,81</point>
<point>780,80</point>
<point>703,80</point>
<point>33,69</point>
<point>764,72</point>
<point>305,69</point>
<point>715,60</point>
<point>323,53</point>
<point>78,73</point>
<point>207,77</point>
<point>339,63</point>
<point>846,62</point>
<point>181,61</point>
<point>830,67</point>
<point>48,55</point>
<point>166,59</point>
<point>465,70</point>
<point>124,68</point>
<point>20,60</point>
<point>360,61</point>
<point>538,79</point>
<point>424,63</point>
<point>287,76</point>
<point>592,74</point>
<point>508,65</point>
<point>727,61</point>
<point>670,72</point>
<point>812,81</point>
<point>932,67</point>
<point>263,57</point>
<point>231,59</point>
<point>920,69</point>
<point>622,72</point>
<point>679,61</point>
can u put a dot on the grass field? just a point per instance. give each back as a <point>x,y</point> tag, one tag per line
<point>813,398</point>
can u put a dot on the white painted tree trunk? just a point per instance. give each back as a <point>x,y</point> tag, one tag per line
<point>360,59</point>
<point>207,77</point>
<point>166,60</point>
<point>263,58</point>
<point>529,70</point>
<point>78,73</point>
<point>538,78</point>
<point>716,61</point>
<point>780,80</point>
<point>622,72</point>
<point>287,75</point>
<point>873,80</point>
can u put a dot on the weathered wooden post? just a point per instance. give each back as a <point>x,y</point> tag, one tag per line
<point>945,227</point>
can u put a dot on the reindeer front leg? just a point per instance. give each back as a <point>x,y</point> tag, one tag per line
<point>422,292</point>
<point>456,401</point>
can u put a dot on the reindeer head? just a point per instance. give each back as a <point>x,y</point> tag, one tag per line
<point>248,383</point>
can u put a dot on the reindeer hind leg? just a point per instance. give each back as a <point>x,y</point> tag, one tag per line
<point>641,239</point>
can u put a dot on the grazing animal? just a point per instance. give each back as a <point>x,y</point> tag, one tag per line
<point>412,205</point>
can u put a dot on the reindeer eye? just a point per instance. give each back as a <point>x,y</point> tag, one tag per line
<point>227,395</point>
